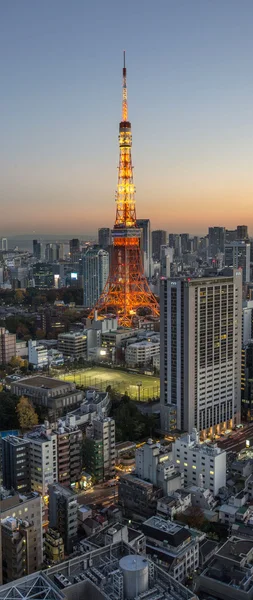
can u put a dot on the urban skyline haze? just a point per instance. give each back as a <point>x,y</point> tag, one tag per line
<point>190,104</point>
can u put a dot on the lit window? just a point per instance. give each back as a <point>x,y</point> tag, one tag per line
<point>185,464</point>
<point>211,472</point>
<point>194,466</point>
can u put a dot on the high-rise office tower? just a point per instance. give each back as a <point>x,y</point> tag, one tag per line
<point>159,238</point>
<point>63,514</point>
<point>201,324</point>
<point>242,232</point>
<point>52,252</point>
<point>144,226</point>
<point>4,244</point>
<point>216,237</point>
<point>126,290</point>
<point>104,238</point>
<point>230,235</point>
<point>166,260</point>
<point>175,242</point>
<point>184,242</point>
<point>37,249</point>
<point>237,256</point>
<point>74,247</point>
<point>16,464</point>
<point>95,274</point>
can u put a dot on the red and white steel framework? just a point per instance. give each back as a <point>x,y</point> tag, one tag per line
<point>126,291</point>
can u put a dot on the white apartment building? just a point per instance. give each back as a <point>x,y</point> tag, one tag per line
<point>37,355</point>
<point>43,459</point>
<point>155,465</point>
<point>73,345</point>
<point>140,354</point>
<point>203,465</point>
<point>201,323</point>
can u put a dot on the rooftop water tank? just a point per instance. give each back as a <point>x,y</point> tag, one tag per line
<point>135,574</point>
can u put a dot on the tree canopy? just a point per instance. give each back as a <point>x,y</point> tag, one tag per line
<point>27,416</point>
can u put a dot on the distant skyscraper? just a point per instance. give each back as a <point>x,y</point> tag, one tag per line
<point>52,252</point>
<point>4,244</point>
<point>242,232</point>
<point>158,239</point>
<point>104,237</point>
<point>37,249</point>
<point>201,352</point>
<point>216,237</point>
<point>184,242</point>
<point>144,226</point>
<point>175,242</point>
<point>230,235</point>
<point>95,274</point>
<point>74,247</point>
<point>237,256</point>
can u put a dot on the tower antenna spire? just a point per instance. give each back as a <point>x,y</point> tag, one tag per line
<point>124,90</point>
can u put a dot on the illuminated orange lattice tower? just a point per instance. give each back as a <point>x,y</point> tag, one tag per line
<point>126,290</point>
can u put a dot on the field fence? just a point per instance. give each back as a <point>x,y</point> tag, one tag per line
<point>136,391</point>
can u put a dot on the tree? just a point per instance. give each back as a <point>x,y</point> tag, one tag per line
<point>16,362</point>
<point>19,296</point>
<point>27,416</point>
<point>194,517</point>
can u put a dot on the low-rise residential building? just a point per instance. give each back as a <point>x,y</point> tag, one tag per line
<point>203,465</point>
<point>137,496</point>
<point>201,497</point>
<point>141,354</point>
<point>235,510</point>
<point>73,345</point>
<point>153,463</point>
<point>175,547</point>
<point>54,546</point>
<point>37,355</point>
<point>173,504</point>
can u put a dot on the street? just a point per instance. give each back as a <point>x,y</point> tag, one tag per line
<point>236,440</point>
<point>99,495</point>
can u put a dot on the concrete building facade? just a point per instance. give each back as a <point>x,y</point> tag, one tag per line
<point>201,352</point>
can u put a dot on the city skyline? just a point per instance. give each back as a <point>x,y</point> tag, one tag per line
<point>188,80</point>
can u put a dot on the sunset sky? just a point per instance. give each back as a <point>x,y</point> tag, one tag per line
<point>190,89</point>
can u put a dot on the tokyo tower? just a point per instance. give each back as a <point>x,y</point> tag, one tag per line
<point>127,290</point>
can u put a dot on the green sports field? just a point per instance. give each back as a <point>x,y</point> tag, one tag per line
<point>138,387</point>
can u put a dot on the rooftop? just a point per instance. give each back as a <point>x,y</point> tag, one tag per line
<point>235,549</point>
<point>163,529</point>
<point>48,383</point>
